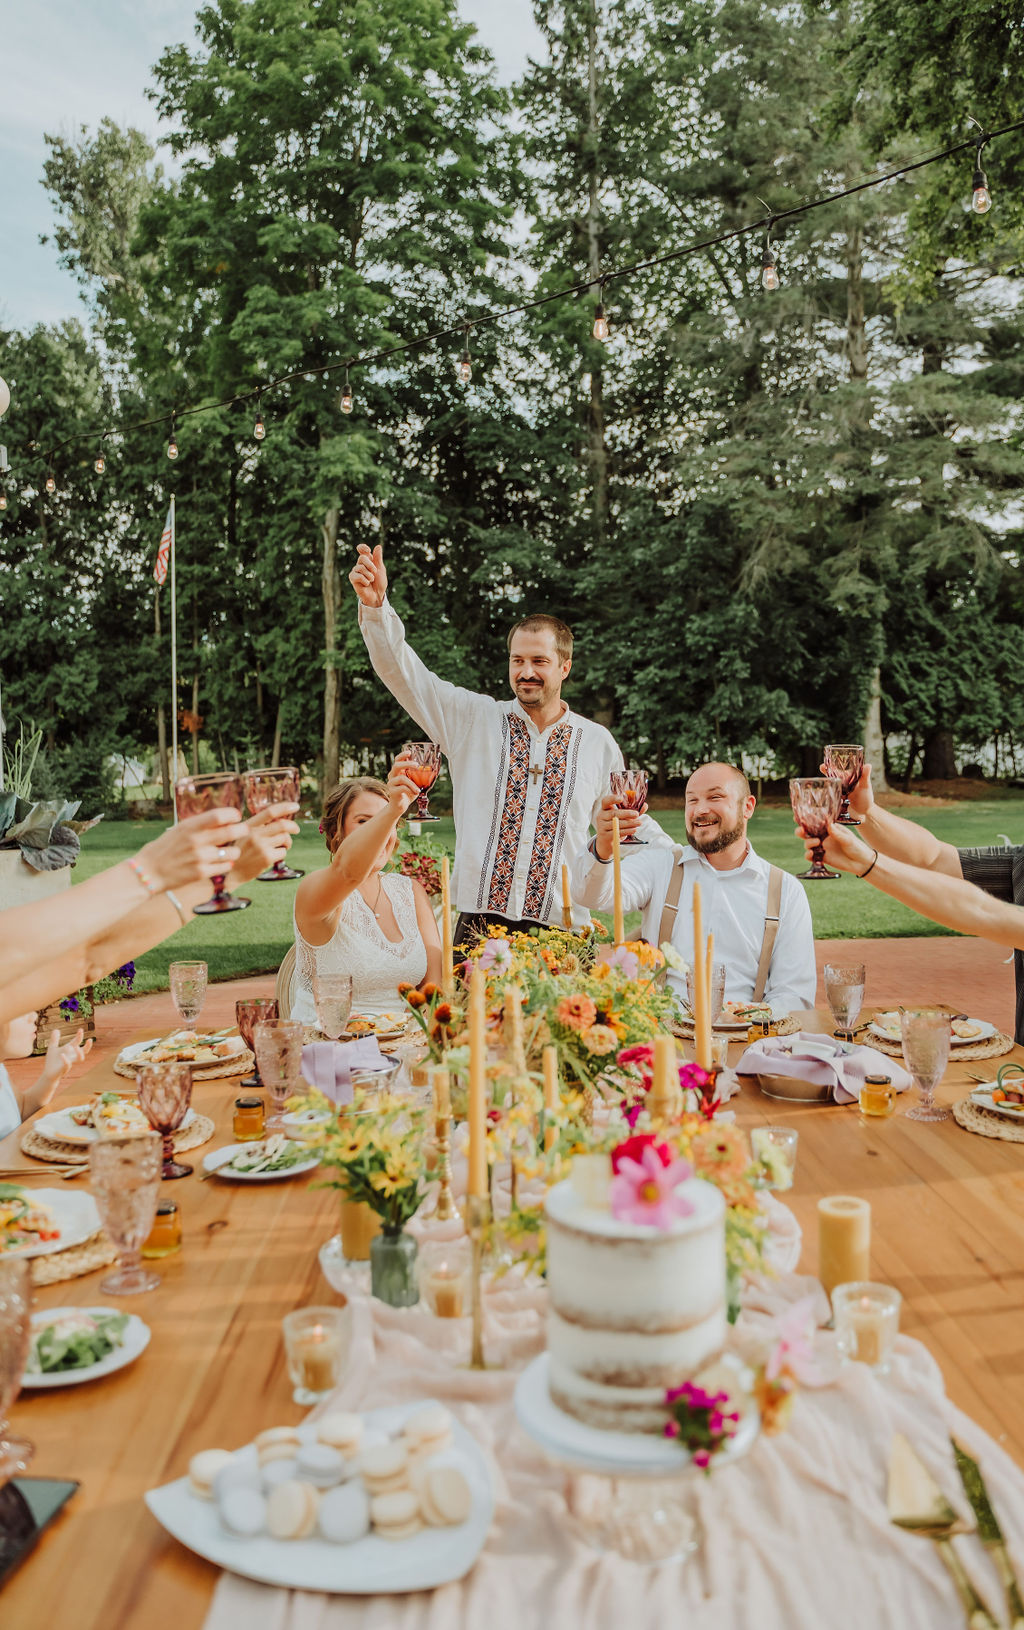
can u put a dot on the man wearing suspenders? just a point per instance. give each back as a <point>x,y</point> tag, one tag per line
<point>758,914</point>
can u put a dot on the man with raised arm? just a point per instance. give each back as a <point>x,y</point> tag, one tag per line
<point>528,775</point>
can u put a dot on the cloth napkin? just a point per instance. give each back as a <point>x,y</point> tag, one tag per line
<point>823,1061</point>
<point>328,1065</point>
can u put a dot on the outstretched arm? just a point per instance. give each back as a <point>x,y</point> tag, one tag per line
<point>319,895</point>
<point>900,839</point>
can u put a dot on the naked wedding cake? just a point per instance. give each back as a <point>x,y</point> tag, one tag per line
<point>633,1310</point>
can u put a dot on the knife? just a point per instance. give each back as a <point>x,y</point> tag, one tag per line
<point>989,1531</point>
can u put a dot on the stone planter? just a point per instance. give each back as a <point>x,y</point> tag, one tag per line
<point>20,884</point>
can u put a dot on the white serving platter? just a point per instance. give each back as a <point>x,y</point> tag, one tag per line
<point>982,1096</point>
<point>136,1340</point>
<point>217,1161</point>
<point>370,1566</point>
<point>892,1033</point>
<point>74,1214</point>
<point>132,1053</point>
<point>60,1128</point>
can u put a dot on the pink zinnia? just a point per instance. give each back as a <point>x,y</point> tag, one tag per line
<point>644,1190</point>
<point>496,954</point>
<point>793,1353</point>
<point>616,956</point>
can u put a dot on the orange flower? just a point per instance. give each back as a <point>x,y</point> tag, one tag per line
<point>443,1013</point>
<point>577,1012</point>
<point>429,990</point>
<point>720,1151</point>
<point>415,998</point>
<point>599,1039</point>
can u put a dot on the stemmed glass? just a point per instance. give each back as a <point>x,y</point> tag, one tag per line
<point>125,1177</point>
<point>716,996</point>
<point>165,1092</point>
<point>332,993</point>
<point>844,989</point>
<point>815,800</point>
<point>194,796</point>
<point>844,761</point>
<point>279,1051</point>
<point>15,1337</point>
<point>252,1011</point>
<point>629,789</point>
<point>262,788</point>
<point>188,990</point>
<point>926,1039</point>
<point>422,772</point>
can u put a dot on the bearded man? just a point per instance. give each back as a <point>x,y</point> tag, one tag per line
<point>758,914</point>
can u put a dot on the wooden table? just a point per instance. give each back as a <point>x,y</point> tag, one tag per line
<point>948,1230</point>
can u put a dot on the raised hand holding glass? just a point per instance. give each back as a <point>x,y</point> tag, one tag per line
<point>264,787</point>
<point>844,761</point>
<point>422,772</point>
<point>815,800</point>
<point>194,796</point>
<point>629,789</point>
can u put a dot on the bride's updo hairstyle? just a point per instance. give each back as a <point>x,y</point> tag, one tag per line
<point>338,803</point>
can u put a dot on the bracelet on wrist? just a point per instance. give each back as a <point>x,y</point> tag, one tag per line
<point>179,908</point>
<point>871,867</point>
<point>143,876</point>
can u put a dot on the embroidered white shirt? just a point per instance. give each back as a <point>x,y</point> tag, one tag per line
<point>524,798</point>
<point>733,905</point>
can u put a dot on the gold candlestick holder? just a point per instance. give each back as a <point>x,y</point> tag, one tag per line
<point>446,1210</point>
<point>477,1214</point>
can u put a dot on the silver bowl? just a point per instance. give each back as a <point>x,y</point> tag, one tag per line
<point>797,1091</point>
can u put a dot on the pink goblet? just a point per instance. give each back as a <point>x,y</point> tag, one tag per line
<point>422,772</point>
<point>265,787</point>
<point>250,1012</point>
<point>844,762</point>
<point>165,1092</point>
<point>815,800</point>
<point>629,789</point>
<point>194,796</point>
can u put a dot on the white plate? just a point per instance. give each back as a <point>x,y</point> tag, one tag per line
<point>136,1340</point>
<point>217,1160</point>
<point>60,1128</point>
<point>372,1566</point>
<point>128,1055</point>
<point>890,1034</point>
<point>75,1215</point>
<point>570,1441</point>
<point>982,1096</point>
<point>302,1119</point>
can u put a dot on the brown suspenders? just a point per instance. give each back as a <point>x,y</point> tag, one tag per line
<point>771,919</point>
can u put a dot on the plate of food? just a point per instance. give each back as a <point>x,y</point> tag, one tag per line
<point>262,1162</point>
<point>738,1016</point>
<point>1000,1101</point>
<point>962,1031</point>
<point>107,1115</point>
<point>74,1344</point>
<point>203,1049</point>
<point>40,1222</point>
<point>385,1026</point>
<point>348,1504</point>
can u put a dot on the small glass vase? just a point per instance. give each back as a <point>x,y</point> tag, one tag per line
<point>393,1277</point>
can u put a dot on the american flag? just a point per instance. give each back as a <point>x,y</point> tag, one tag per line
<point>163,554</point>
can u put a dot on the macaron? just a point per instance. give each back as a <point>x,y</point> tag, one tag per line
<point>277,1443</point>
<point>344,1514</point>
<point>243,1511</point>
<point>237,1474</point>
<point>385,1468</point>
<point>291,1510</point>
<point>396,1515</point>
<point>203,1468</point>
<point>341,1431</point>
<point>428,1431</point>
<point>445,1496</point>
<point>319,1464</point>
<point>278,1471</point>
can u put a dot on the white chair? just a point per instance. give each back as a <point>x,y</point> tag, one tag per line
<point>285,988</point>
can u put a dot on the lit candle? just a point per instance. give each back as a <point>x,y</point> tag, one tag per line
<point>444,1288</point>
<point>442,1094</point>
<point>701,1008</point>
<point>663,1098</point>
<point>317,1355</point>
<point>552,1098</point>
<point>477,1182</point>
<point>447,966</point>
<point>566,898</point>
<point>844,1240</point>
<point>619,931</point>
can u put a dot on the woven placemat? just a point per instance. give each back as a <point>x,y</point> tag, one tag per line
<point>783,1027</point>
<point>93,1253</point>
<point>974,1118</point>
<point>238,1064</point>
<point>993,1047</point>
<point>199,1131</point>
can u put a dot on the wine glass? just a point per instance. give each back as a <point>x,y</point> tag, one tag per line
<point>844,989</point>
<point>188,990</point>
<point>165,1092</point>
<point>279,1051</point>
<point>925,1034</point>
<point>716,994</point>
<point>815,800</point>
<point>422,772</point>
<point>252,1011</point>
<point>125,1178</point>
<point>332,993</point>
<point>629,789</point>
<point>15,1338</point>
<point>194,796</point>
<point>844,762</point>
<point>265,787</point>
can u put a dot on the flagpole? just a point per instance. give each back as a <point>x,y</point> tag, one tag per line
<point>174,673</point>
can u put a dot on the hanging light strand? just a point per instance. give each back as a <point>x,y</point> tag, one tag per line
<point>345,401</point>
<point>464,366</point>
<point>101,463</point>
<point>172,445</point>
<point>259,429</point>
<point>600,329</point>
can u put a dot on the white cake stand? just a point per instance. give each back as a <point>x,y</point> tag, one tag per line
<point>631,1492</point>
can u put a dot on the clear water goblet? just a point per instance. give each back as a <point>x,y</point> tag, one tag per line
<point>15,1337</point>
<point>125,1178</point>
<point>332,993</point>
<point>844,991</point>
<point>925,1034</point>
<point>188,990</point>
<point>716,994</point>
<point>279,1053</point>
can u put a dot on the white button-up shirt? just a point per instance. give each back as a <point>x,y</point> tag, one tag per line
<point>733,906</point>
<point>524,798</point>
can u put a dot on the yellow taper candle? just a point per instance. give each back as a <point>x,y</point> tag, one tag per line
<point>442,1093</point>
<point>709,962</point>
<point>701,1024</point>
<point>566,898</point>
<point>844,1240</point>
<point>552,1097</point>
<point>663,1098</point>
<point>477,1182</point>
<point>447,965</point>
<point>619,929</point>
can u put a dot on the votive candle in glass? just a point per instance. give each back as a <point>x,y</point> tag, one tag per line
<point>775,1147</point>
<point>445,1277</point>
<point>867,1319</point>
<point>316,1342</point>
<point>844,1240</point>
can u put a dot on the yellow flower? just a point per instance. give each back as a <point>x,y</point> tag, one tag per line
<point>600,1039</point>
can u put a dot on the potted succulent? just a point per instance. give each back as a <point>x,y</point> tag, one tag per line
<point>39,838</point>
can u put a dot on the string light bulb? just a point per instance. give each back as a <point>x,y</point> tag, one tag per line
<point>769,274</point>
<point>464,366</point>
<point>981,198</point>
<point>3,500</point>
<point>51,485</point>
<point>600,329</point>
<point>101,463</point>
<point>345,402</point>
<point>259,429</point>
<point>172,445</point>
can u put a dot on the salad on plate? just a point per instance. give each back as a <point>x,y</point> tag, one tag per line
<point>74,1341</point>
<point>274,1154</point>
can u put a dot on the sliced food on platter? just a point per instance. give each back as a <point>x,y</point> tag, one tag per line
<point>185,1047</point>
<point>40,1222</point>
<point>736,1015</point>
<point>107,1115</point>
<point>961,1031</point>
<point>377,1024</point>
<point>74,1344</point>
<point>275,1156</point>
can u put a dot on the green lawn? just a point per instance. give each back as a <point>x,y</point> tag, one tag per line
<point>254,941</point>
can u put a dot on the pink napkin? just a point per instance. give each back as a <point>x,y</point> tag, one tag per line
<point>821,1060</point>
<point>328,1065</point>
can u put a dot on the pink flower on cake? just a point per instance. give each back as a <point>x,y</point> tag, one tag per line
<point>644,1190</point>
<point>576,1012</point>
<point>599,1039</point>
<point>793,1353</point>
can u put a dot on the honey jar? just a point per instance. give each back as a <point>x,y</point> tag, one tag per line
<point>877,1096</point>
<point>249,1119</point>
<point>165,1235</point>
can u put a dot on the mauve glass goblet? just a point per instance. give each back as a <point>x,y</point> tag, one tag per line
<point>815,800</point>
<point>844,762</point>
<point>279,1051</point>
<point>125,1178</point>
<point>15,1337</point>
<point>250,1012</point>
<point>422,772</point>
<point>165,1092</point>
<point>194,796</point>
<point>629,789</point>
<point>269,786</point>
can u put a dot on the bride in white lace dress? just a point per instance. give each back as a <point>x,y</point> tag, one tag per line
<point>352,916</point>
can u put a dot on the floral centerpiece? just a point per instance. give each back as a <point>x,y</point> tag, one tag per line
<point>439,1017</point>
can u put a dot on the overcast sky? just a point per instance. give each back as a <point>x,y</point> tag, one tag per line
<point>70,62</point>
